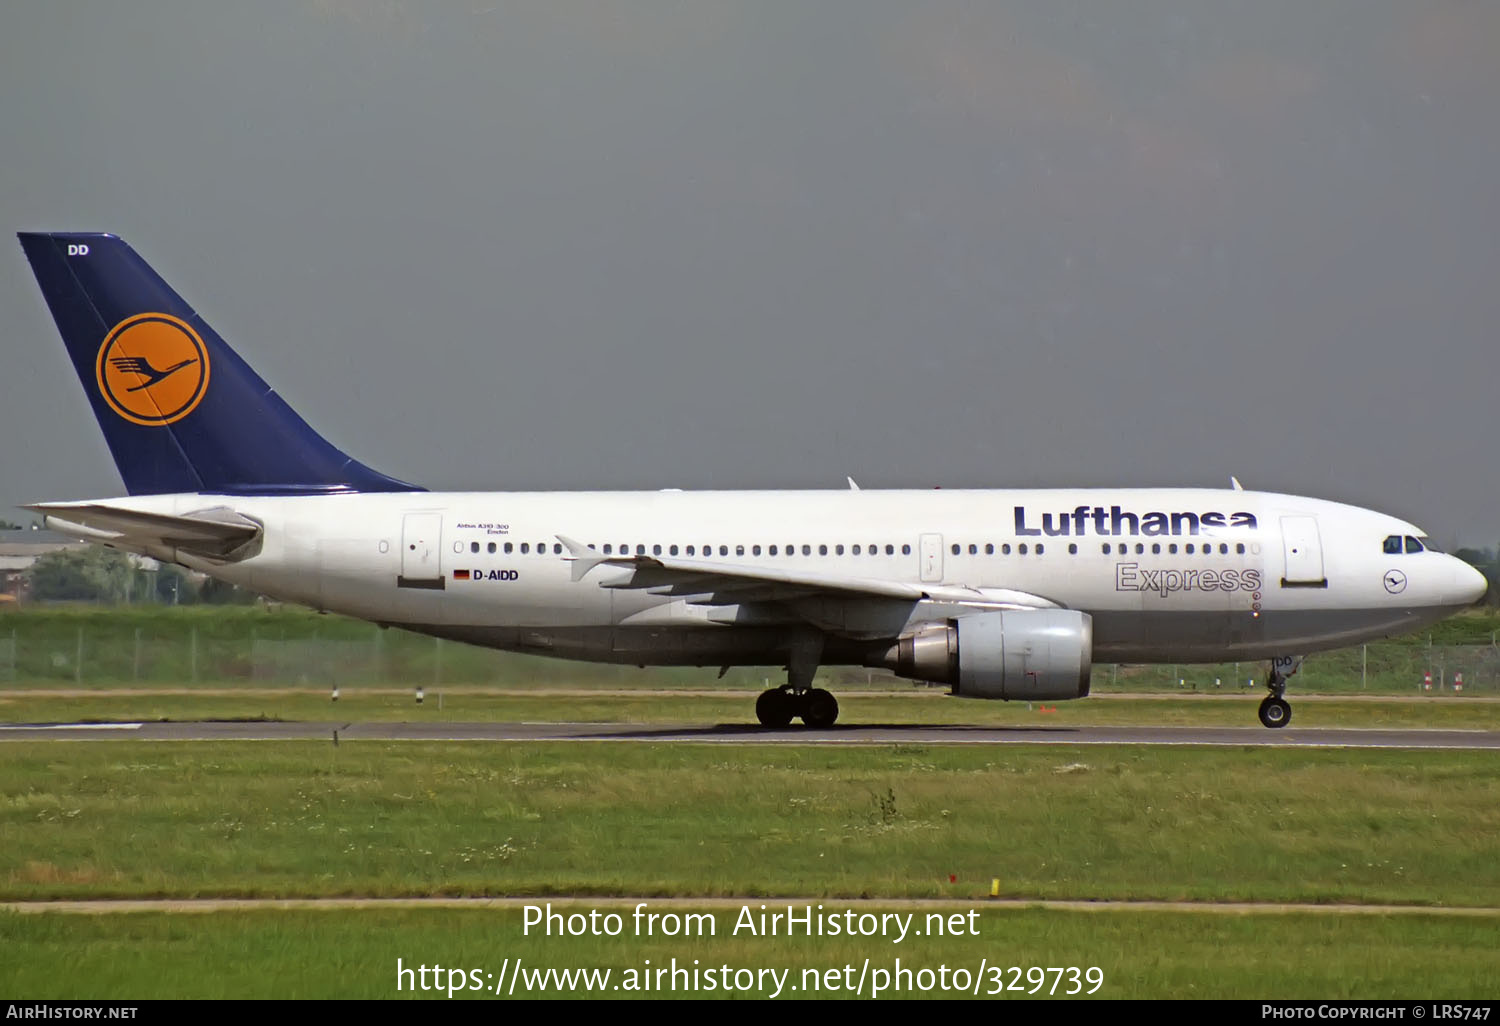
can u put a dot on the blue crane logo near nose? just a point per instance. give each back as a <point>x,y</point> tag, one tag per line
<point>1395,581</point>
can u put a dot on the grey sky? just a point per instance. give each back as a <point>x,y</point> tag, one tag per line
<point>616,244</point>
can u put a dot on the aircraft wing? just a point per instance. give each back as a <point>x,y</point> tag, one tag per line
<point>713,583</point>
<point>216,533</point>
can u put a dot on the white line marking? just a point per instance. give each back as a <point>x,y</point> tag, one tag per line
<point>70,726</point>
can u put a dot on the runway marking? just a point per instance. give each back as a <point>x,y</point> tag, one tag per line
<point>116,906</point>
<point>70,726</point>
<point>744,734</point>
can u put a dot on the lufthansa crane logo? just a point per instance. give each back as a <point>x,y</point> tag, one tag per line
<point>152,369</point>
<point>1395,582</point>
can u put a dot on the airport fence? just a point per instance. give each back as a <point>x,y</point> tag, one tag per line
<point>1376,667</point>
<point>101,653</point>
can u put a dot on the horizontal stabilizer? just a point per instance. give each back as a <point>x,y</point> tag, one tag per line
<point>217,533</point>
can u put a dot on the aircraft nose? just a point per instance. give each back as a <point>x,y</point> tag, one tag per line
<point>1469,585</point>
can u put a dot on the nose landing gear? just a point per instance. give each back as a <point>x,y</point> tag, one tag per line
<point>1275,711</point>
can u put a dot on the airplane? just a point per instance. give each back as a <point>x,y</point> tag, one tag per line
<point>999,594</point>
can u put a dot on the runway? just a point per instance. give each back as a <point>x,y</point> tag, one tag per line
<point>745,734</point>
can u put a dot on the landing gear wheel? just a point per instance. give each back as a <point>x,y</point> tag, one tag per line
<point>819,709</point>
<point>1275,712</point>
<point>775,708</point>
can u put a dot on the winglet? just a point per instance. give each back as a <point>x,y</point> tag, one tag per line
<point>1236,482</point>
<point>852,486</point>
<point>583,558</point>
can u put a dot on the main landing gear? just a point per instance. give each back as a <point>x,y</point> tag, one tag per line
<point>779,706</point>
<point>818,708</point>
<point>1275,711</point>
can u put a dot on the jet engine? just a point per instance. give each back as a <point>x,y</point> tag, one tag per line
<point>1026,654</point>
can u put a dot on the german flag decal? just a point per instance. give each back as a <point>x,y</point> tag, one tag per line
<point>460,575</point>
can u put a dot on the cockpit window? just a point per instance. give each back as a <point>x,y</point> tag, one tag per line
<point>1393,545</point>
<point>1428,544</point>
<point>1412,545</point>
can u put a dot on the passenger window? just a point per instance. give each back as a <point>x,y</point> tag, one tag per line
<point>772,550</point>
<point>1156,548</point>
<point>807,550</point>
<point>1005,549</point>
<point>890,550</point>
<point>1107,548</point>
<point>1239,548</point>
<point>473,546</point>
<point>1072,549</point>
<point>875,550</point>
<point>691,550</point>
<point>906,550</point>
<point>973,550</point>
<point>955,550</point>
<point>525,548</point>
<point>1223,548</point>
<point>492,547</point>
<point>854,551</point>
<point>1172,548</point>
<point>672,551</point>
<point>989,548</point>
<point>508,548</point>
<point>1189,548</point>
<point>1039,549</point>
<point>1393,545</point>
<point>1140,548</point>
<point>755,551</point>
<point>739,550</point>
<point>1412,545</point>
<point>557,548</point>
<point>838,550</point>
<point>640,550</point>
<point>723,550</point>
<point>822,550</point>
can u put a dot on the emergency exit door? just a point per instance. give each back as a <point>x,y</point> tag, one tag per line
<point>421,551</point>
<point>932,558</point>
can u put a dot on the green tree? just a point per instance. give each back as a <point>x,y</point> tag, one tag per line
<point>7,525</point>
<point>90,573</point>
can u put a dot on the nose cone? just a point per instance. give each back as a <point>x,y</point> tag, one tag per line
<point>1469,585</point>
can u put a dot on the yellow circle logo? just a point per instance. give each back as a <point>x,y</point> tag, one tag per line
<point>152,369</point>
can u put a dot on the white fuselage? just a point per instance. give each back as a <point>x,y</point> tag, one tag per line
<point>1166,574</point>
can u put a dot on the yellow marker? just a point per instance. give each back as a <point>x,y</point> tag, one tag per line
<point>995,887</point>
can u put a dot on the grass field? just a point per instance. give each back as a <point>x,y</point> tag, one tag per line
<point>370,818</point>
<point>182,820</point>
<point>352,954</point>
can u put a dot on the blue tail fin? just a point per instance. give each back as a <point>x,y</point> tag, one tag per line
<point>180,410</point>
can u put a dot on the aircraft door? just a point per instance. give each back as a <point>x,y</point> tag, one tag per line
<point>1304,553</point>
<point>421,551</point>
<point>932,558</point>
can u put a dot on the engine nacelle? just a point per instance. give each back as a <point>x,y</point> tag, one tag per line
<point>1025,654</point>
